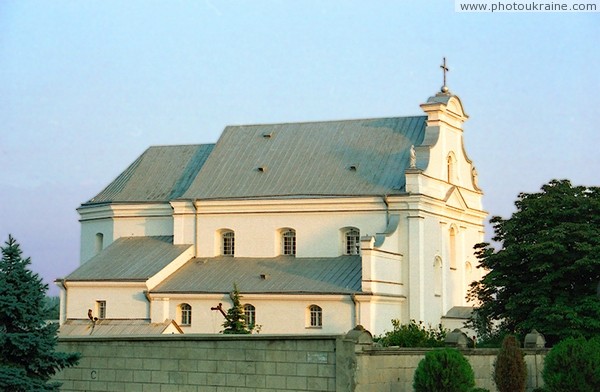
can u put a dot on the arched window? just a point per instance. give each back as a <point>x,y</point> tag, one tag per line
<point>250,315</point>
<point>315,316</point>
<point>185,314</point>
<point>289,242</point>
<point>352,242</point>
<point>228,248</point>
<point>468,272</point>
<point>437,276</point>
<point>451,168</point>
<point>99,242</point>
<point>452,248</point>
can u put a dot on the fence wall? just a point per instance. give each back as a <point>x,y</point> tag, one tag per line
<point>257,363</point>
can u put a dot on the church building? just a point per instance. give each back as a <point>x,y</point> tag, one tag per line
<point>322,226</point>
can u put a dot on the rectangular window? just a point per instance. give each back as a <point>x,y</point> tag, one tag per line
<point>316,316</point>
<point>228,243</point>
<point>101,309</point>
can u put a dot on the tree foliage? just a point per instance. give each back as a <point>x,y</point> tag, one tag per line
<point>235,321</point>
<point>28,358</point>
<point>573,365</point>
<point>547,272</point>
<point>444,370</point>
<point>510,370</point>
<point>413,335</point>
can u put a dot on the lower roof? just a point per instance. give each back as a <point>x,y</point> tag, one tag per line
<point>283,274</point>
<point>129,259</point>
<point>111,327</point>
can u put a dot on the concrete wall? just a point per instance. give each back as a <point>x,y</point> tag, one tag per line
<point>203,363</point>
<point>255,363</point>
<point>389,369</point>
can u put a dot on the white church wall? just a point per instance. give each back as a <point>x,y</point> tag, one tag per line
<point>123,300</point>
<point>95,236</point>
<point>116,221</point>
<point>257,233</point>
<point>275,314</point>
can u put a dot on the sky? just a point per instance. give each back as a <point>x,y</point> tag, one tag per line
<point>87,86</point>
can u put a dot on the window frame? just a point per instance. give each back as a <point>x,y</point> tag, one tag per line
<point>249,315</point>
<point>315,316</point>
<point>101,309</point>
<point>185,314</point>
<point>288,242</point>
<point>228,243</point>
<point>352,241</point>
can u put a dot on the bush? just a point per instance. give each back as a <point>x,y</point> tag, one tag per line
<point>573,365</point>
<point>444,370</point>
<point>479,390</point>
<point>413,335</point>
<point>510,371</point>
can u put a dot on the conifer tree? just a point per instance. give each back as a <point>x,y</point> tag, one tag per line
<point>235,321</point>
<point>28,359</point>
<point>510,370</point>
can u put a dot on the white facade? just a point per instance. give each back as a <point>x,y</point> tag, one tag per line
<point>416,247</point>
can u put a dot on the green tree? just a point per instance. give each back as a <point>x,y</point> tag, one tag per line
<point>235,321</point>
<point>28,358</point>
<point>573,365</point>
<point>547,272</point>
<point>413,335</point>
<point>510,370</point>
<point>444,370</point>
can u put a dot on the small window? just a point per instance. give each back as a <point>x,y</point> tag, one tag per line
<point>452,248</point>
<point>352,242</point>
<point>451,168</point>
<point>99,242</point>
<point>250,315</point>
<point>228,243</point>
<point>289,242</point>
<point>437,277</point>
<point>101,309</point>
<point>316,316</point>
<point>186,314</point>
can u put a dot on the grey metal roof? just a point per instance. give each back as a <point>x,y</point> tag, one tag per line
<point>161,173</point>
<point>334,158</point>
<point>129,259</point>
<point>113,327</point>
<point>460,312</point>
<point>283,274</point>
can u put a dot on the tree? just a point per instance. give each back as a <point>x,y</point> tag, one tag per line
<point>413,334</point>
<point>510,370</point>
<point>444,370</point>
<point>28,359</point>
<point>235,321</point>
<point>547,272</point>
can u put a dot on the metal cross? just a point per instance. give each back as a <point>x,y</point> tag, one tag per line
<point>444,69</point>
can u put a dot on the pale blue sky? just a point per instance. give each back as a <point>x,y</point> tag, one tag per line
<point>87,86</point>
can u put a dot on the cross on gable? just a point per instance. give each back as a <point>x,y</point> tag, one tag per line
<point>445,69</point>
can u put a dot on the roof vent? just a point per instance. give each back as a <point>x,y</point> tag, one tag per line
<point>267,135</point>
<point>262,169</point>
<point>353,167</point>
<point>264,276</point>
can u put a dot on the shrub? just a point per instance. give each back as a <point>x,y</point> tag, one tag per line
<point>479,390</point>
<point>573,365</point>
<point>510,371</point>
<point>413,335</point>
<point>444,370</point>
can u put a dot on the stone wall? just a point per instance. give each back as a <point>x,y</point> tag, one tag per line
<point>206,363</point>
<point>257,363</point>
<point>392,369</point>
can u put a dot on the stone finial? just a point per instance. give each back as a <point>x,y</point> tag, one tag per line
<point>360,336</point>
<point>457,338</point>
<point>534,339</point>
<point>413,157</point>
